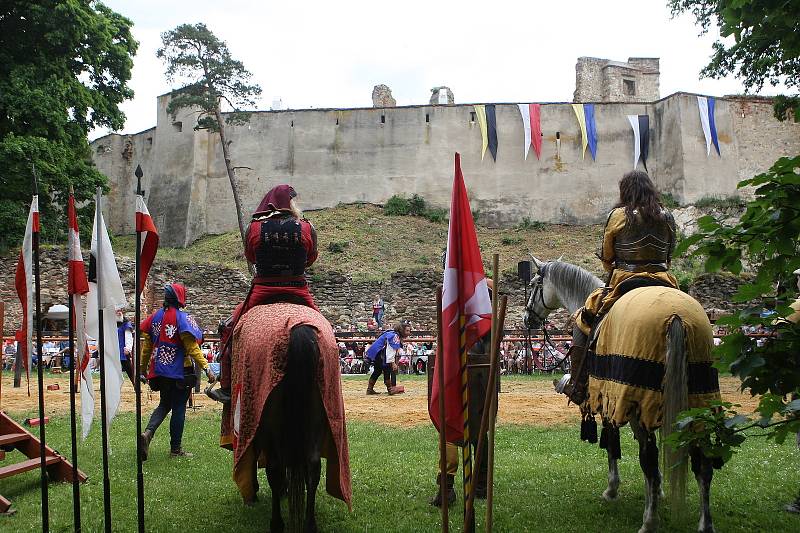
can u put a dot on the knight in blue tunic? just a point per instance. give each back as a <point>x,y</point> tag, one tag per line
<point>382,354</point>
<point>170,342</point>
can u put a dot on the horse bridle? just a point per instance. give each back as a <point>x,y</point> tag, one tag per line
<point>538,288</point>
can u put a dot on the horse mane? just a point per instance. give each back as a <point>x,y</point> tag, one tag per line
<point>573,283</point>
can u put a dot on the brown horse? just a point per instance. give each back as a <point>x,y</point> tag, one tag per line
<point>290,433</point>
<point>287,410</point>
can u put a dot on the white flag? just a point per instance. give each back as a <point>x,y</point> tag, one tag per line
<point>702,105</point>
<point>634,120</point>
<point>524,110</point>
<point>106,293</point>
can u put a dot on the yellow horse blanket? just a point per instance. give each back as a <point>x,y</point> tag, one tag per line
<point>626,371</point>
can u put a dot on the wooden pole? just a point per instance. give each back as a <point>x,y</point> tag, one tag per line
<point>466,452</point>
<point>497,329</point>
<point>497,333</point>
<point>439,367</point>
<point>2,355</point>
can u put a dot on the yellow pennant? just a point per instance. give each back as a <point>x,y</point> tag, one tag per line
<point>480,111</point>
<point>578,108</point>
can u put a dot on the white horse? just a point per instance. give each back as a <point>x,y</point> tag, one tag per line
<point>562,285</point>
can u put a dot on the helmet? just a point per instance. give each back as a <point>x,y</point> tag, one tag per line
<point>175,293</point>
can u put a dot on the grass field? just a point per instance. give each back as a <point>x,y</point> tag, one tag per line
<point>546,480</point>
<point>372,245</point>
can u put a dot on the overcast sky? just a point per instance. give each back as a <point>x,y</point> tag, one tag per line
<point>331,54</point>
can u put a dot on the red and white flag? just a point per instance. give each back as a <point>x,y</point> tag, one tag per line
<point>466,295</point>
<point>23,281</point>
<point>77,286</point>
<point>145,225</point>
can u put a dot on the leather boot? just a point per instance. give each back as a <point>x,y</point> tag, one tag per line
<point>451,491</point>
<point>394,389</point>
<point>371,387</point>
<point>145,439</point>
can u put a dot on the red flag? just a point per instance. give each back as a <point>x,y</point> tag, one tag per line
<point>77,282</point>
<point>23,281</point>
<point>145,225</point>
<point>466,295</point>
<point>536,129</point>
<point>77,285</point>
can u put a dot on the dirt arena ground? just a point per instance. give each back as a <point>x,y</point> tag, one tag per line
<point>522,401</point>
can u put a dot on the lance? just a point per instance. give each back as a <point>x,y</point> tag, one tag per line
<point>486,429</point>
<point>39,370</point>
<point>466,450</point>
<point>76,491</point>
<point>439,371</point>
<point>137,361</point>
<point>101,352</point>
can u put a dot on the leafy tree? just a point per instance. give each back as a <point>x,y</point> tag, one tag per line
<point>64,68</point>
<point>765,49</point>
<point>194,55</point>
<point>766,43</point>
<point>768,237</point>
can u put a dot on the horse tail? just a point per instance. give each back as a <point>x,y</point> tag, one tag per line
<point>299,386</point>
<point>676,399</point>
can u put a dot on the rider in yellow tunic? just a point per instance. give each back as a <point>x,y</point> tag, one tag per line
<point>638,241</point>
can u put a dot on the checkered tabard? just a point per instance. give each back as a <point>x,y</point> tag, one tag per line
<point>166,354</point>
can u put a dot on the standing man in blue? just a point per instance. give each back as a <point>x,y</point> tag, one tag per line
<point>382,354</point>
<point>170,341</point>
<point>125,337</point>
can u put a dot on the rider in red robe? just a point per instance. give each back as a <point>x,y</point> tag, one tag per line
<point>281,244</point>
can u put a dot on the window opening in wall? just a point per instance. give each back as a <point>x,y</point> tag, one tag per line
<point>150,141</point>
<point>558,135</point>
<point>629,87</point>
<point>291,124</point>
<point>337,121</point>
<point>427,117</point>
<point>178,126</point>
<point>472,116</point>
<point>383,119</point>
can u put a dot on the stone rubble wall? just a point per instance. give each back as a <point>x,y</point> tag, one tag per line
<point>214,290</point>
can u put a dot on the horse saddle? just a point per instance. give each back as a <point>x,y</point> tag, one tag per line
<point>581,357</point>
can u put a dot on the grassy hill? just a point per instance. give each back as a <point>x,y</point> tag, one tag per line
<point>363,242</point>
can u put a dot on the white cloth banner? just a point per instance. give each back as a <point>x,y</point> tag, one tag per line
<point>26,259</point>
<point>702,104</point>
<point>110,297</point>
<point>524,110</point>
<point>85,377</point>
<point>634,120</point>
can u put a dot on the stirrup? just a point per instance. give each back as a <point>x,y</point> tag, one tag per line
<point>218,395</point>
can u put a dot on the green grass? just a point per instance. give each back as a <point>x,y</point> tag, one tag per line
<point>545,480</point>
<point>361,241</point>
<point>728,202</point>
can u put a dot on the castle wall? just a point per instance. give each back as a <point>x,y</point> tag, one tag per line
<point>354,155</point>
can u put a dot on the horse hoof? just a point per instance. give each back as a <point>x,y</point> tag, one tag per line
<point>701,528</point>
<point>610,496</point>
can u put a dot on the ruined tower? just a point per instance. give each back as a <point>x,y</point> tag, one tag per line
<point>603,80</point>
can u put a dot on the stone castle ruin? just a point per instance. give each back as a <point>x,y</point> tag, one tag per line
<point>334,156</point>
<point>602,80</point>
